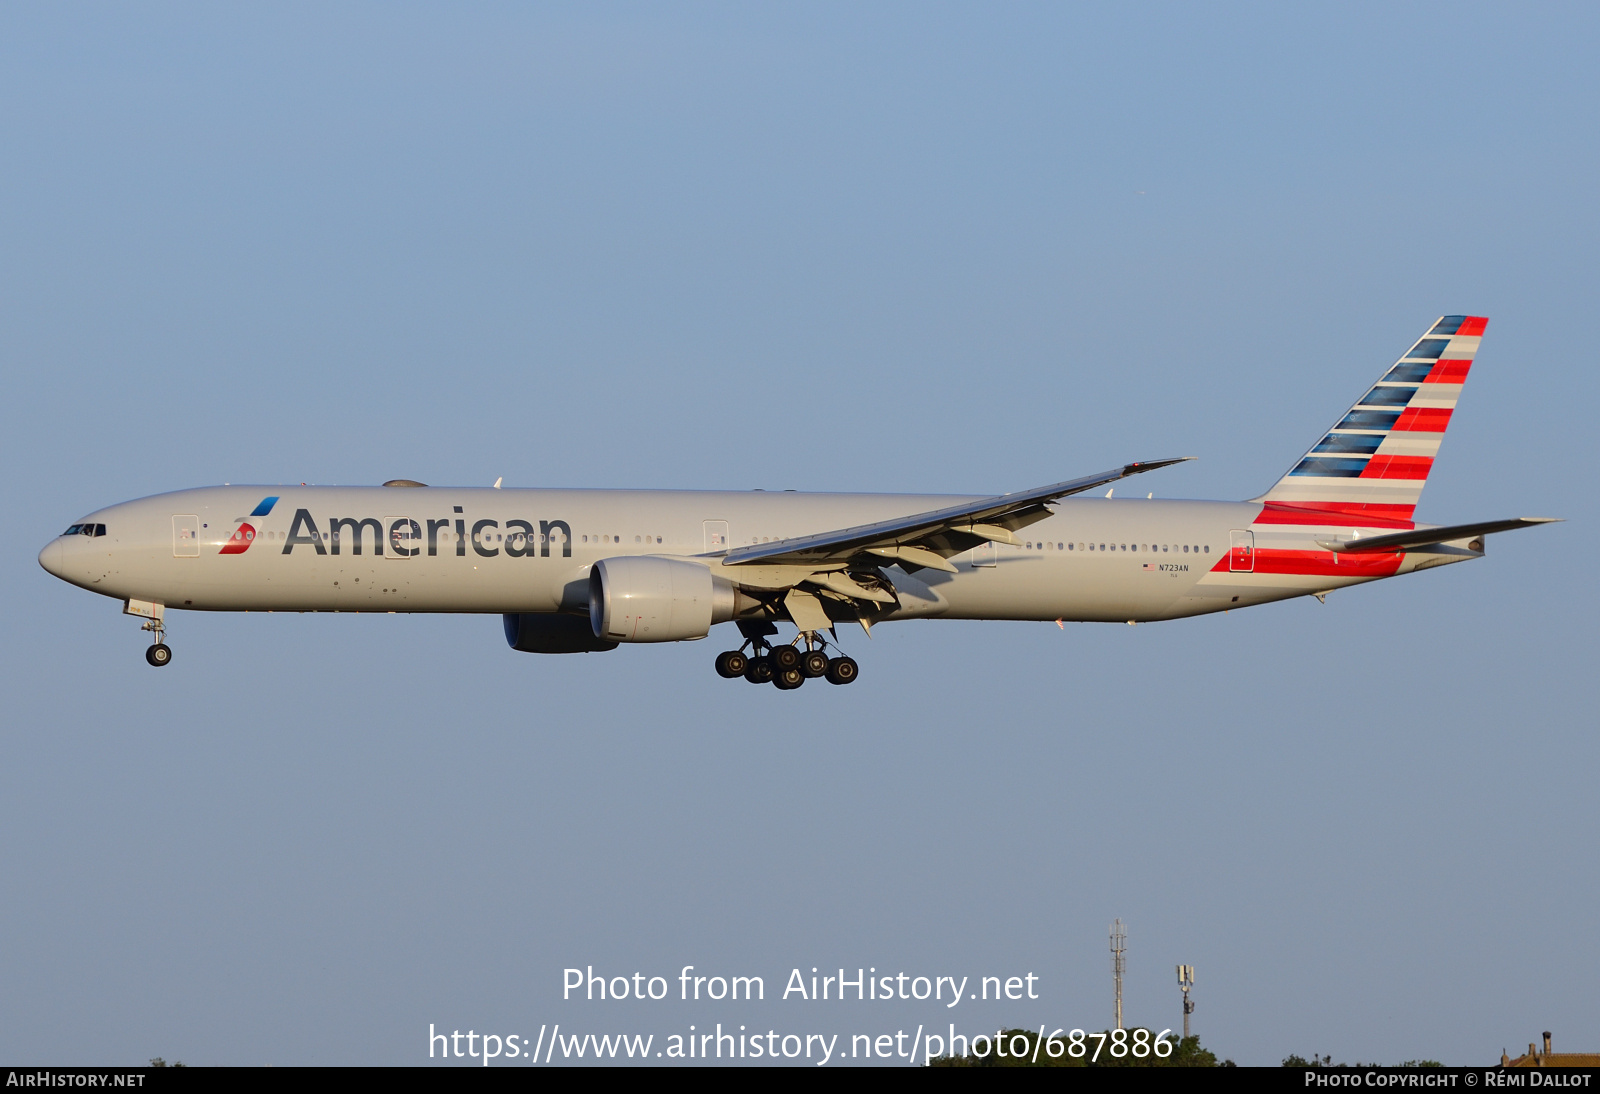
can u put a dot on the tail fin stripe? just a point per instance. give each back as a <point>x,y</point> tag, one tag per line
<point>1417,419</point>
<point>1449,371</point>
<point>1361,444</point>
<point>1389,395</point>
<point>1437,396</point>
<point>1380,420</point>
<point>1429,347</point>
<point>1370,515</point>
<point>1344,467</point>
<point>1411,444</point>
<point>1398,467</point>
<point>1410,372</point>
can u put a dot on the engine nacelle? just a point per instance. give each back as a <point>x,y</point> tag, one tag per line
<point>646,599</point>
<point>547,632</point>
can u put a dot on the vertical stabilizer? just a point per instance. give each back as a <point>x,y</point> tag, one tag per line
<point>1370,468</point>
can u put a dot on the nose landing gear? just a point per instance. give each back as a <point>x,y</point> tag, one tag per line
<point>159,654</point>
<point>785,667</point>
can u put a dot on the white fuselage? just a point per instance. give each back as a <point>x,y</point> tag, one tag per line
<point>438,549</point>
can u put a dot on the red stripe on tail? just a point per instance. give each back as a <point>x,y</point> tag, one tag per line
<point>1449,372</point>
<point>1398,467</point>
<point>1423,419</point>
<point>1333,515</point>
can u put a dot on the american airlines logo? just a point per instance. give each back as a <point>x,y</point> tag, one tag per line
<point>244,535</point>
<point>405,537</point>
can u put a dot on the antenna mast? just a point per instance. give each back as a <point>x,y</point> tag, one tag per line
<point>1119,946</point>
<point>1185,982</point>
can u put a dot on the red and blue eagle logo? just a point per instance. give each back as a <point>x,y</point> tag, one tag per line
<point>244,535</point>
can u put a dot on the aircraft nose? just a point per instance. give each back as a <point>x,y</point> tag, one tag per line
<point>51,558</point>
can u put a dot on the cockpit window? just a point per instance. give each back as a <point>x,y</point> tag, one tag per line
<point>74,530</point>
<point>85,530</point>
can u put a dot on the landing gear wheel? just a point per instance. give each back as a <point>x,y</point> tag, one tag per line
<point>788,679</point>
<point>759,670</point>
<point>814,664</point>
<point>785,657</point>
<point>843,670</point>
<point>731,664</point>
<point>158,654</point>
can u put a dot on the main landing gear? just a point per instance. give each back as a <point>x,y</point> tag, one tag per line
<point>786,667</point>
<point>159,654</point>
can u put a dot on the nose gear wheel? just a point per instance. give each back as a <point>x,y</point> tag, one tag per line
<point>159,654</point>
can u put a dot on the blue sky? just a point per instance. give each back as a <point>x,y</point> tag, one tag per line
<point>906,248</point>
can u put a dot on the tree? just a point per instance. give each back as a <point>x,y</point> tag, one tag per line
<point>1327,1062</point>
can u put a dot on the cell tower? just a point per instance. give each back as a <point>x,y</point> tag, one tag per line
<point>1185,982</point>
<point>1119,946</point>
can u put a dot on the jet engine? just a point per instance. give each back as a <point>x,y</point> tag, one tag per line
<point>548,632</point>
<point>641,598</point>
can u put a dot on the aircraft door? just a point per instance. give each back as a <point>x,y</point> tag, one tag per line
<point>405,537</point>
<point>984,554</point>
<point>185,535</point>
<point>1242,551</point>
<point>716,535</point>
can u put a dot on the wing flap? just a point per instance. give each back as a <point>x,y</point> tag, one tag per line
<point>906,554</point>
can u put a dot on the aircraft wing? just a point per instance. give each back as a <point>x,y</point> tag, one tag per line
<point>930,539</point>
<point>1422,537</point>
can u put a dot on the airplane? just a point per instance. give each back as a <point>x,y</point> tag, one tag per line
<point>572,571</point>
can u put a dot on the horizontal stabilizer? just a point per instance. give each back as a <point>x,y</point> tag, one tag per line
<point>1422,537</point>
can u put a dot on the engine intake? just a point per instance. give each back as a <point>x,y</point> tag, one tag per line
<point>647,599</point>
